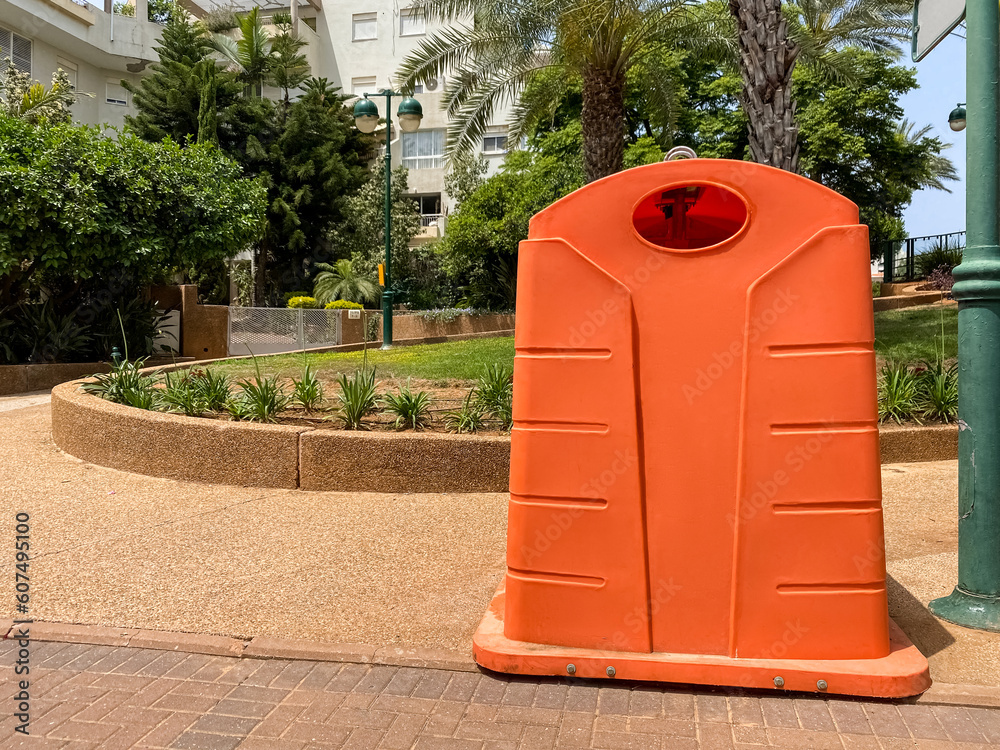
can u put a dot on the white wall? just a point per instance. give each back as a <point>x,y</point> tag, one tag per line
<point>61,30</point>
<point>343,59</point>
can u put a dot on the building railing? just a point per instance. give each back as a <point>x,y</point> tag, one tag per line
<point>432,220</point>
<point>910,259</point>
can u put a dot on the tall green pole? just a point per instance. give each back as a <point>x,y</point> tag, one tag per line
<point>386,294</point>
<point>975,602</point>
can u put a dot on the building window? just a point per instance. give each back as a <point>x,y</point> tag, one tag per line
<point>362,86</point>
<point>429,208</point>
<point>69,68</point>
<point>116,94</point>
<point>17,48</point>
<point>411,22</point>
<point>365,26</point>
<point>418,88</point>
<point>495,143</point>
<point>423,149</point>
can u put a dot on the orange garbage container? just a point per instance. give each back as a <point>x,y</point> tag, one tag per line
<point>695,485</point>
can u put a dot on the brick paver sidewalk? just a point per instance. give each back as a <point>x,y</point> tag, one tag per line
<point>107,697</point>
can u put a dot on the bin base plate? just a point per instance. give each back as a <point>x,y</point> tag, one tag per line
<point>902,673</point>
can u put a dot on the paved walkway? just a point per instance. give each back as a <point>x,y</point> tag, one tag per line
<point>106,697</point>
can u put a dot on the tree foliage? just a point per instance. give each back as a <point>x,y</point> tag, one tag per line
<point>28,100</point>
<point>75,204</point>
<point>855,141</point>
<point>304,149</point>
<point>479,251</point>
<point>361,234</point>
<point>495,50</point>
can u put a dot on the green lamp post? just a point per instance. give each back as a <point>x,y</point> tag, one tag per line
<point>366,117</point>
<point>975,602</point>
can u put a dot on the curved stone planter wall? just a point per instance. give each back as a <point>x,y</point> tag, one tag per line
<point>256,455</point>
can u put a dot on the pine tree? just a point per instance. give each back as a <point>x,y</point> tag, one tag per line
<point>168,100</point>
<point>314,162</point>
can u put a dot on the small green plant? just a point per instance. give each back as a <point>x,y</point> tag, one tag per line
<point>876,289</point>
<point>357,398</point>
<point>937,392</point>
<point>181,396</point>
<point>468,418</point>
<point>944,255</point>
<point>343,304</point>
<point>214,389</point>
<point>261,399</point>
<point>125,384</point>
<point>494,393</point>
<point>309,303</point>
<point>898,393</point>
<point>411,409</point>
<point>307,391</point>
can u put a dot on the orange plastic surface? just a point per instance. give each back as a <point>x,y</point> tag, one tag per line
<point>694,456</point>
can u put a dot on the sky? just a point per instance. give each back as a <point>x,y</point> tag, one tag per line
<point>941,76</point>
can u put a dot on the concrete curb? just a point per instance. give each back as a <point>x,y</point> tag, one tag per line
<point>256,455</point>
<point>268,647</point>
<point>880,304</point>
<point>275,456</point>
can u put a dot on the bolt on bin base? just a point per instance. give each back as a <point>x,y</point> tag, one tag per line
<point>902,673</point>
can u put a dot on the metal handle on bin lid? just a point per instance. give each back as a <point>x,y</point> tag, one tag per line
<point>680,152</point>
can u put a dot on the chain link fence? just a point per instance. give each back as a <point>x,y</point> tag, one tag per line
<point>267,330</point>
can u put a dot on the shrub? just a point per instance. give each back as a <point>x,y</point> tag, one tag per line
<point>937,396</point>
<point>307,392</point>
<point>876,289</point>
<point>125,384</point>
<point>181,396</point>
<point>343,304</point>
<point>214,390</point>
<point>261,400</point>
<point>941,279</point>
<point>411,409</point>
<point>357,398</point>
<point>308,303</point>
<point>494,393</point>
<point>447,314</point>
<point>941,255</point>
<point>49,337</point>
<point>468,418</point>
<point>898,392</point>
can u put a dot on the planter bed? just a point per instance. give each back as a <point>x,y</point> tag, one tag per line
<point>260,455</point>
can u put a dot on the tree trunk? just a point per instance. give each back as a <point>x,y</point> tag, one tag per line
<point>603,122</point>
<point>260,282</point>
<point>767,59</point>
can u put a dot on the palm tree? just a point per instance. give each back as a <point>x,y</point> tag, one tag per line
<point>938,167</point>
<point>250,55</point>
<point>30,101</point>
<point>496,48</point>
<point>772,38</point>
<point>766,61</point>
<point>822,28</point>
<point>340,281</point>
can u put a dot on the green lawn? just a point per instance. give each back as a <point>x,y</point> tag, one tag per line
<point>454,360</point>
<point>900,335</point>
<point>913,334</point>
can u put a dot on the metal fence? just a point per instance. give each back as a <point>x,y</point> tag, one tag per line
<point>271,330</point>
<point>910,259</point>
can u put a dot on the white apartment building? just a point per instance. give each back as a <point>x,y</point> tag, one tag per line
<point>96,49</point>
<point>357,45</point>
